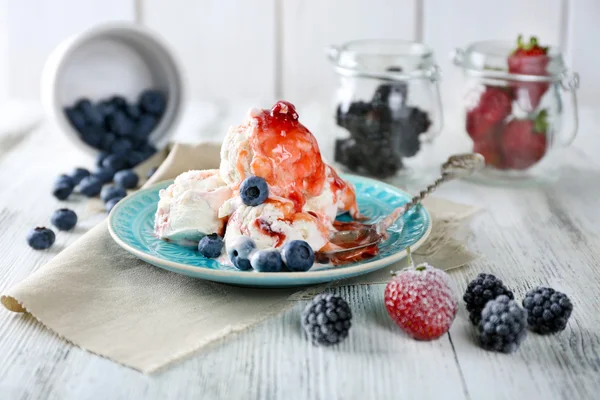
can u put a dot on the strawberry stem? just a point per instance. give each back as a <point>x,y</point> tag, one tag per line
<point>541,122</point>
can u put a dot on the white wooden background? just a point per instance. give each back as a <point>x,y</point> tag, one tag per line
<point>265,49</point>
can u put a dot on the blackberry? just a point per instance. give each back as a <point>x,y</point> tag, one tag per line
<point>419,119</point>
<point>503,325</point>
<point>327,319</point>
<point>547,310</point>
<point>480,290</point>
<point>347,153</point>
<point>392,96</point>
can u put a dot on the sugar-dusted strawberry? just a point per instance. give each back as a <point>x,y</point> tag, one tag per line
<point>529,59</point>
<point>493,107</point>
<point>421,301</point>
<point>524,141</point>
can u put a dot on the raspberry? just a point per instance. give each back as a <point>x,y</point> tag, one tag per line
<point>327,319</point>
<point>421,301</point>
<point>503,325</point>
<point>482,289</point>
<point>547,310</point>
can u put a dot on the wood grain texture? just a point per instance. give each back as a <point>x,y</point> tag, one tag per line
<point>529,236</point>
<point>309,26</point>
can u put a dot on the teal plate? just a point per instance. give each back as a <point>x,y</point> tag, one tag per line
<point>131,225</point>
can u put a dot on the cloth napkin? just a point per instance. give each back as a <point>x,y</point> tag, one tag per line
<point>103,299</point>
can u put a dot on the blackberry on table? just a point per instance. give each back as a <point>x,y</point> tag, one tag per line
<point>481,290</point>
<point>327,319</point>
<point>503,325</point>
<point>547,310</point>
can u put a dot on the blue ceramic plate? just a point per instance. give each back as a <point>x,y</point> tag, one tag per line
<point>131,225</point>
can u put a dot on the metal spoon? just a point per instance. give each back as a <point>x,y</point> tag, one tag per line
<point>347,242</point>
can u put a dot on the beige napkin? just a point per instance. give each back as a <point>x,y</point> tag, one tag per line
<point>99,297</point>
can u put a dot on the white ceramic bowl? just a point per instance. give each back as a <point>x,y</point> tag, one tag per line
<point>111,59</point>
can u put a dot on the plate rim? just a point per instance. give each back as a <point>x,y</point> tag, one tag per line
<point>369,266</point>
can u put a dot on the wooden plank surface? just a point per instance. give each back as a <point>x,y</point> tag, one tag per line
<point>526,236</point>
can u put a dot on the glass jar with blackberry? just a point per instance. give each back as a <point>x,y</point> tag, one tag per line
<point>388,106</point>
<point>520,108</point>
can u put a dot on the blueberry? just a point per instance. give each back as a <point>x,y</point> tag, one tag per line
<point>107,141</point>
<point>134,158</point>
<point>62,190</point>
<point>106,108</point>
<point>92,115</point>
<point>121,146</point>
<point>254,191</point>
<point>40,238</point>
<point>92,135</point>
<point>266,261</point>
<point>145,126</point>
<point>63,178</point>
<point>111,203</point>
<point>133,111</point>
<point>90,186</point>
<point>298,255</point>
<point>210,246</point>
<point>76,118</point>
<point>239,252</point>
<point>109,192</point>
<point>151,172</point>
<point>153,102</point>
<point>126,179</point>
<point>104,175</point>
<point>148,150</point>
<point>120,123</point>
<point>78,174</point>
<point>118,101</point>
<point>115,162</point>
<point>100,157</point>
<point>64,219</point>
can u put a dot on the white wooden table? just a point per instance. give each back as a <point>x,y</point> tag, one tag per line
<point>548,236</point>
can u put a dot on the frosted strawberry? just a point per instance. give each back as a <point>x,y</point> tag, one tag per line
<point>493,107</point>
<point>529,59</point>
<point>421,301</point>
<point>524,141</point>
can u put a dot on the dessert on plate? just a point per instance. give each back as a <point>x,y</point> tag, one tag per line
<point>272,203</point>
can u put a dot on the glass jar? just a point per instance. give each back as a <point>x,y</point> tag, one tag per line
<point>515,113</point>
<point>387,106</point>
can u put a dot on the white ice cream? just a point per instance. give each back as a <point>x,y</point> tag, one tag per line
<point>332,201</point>
<point>270,225</point>
<point>188,208</point>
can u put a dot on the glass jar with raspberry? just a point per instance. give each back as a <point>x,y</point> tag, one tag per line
<point>387,107</point>
<point>516,115</point>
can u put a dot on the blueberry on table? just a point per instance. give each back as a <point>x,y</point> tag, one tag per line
<point>63,178</point>
<point>115,162</point>
<point>153,102</point>
<point>121,146</point>
<point>40,238</point>
<point>100,157</point>
<point>78,174</point>
<point>298,256</point>
<point>90,186</point>
<point>109,192</point>
<point>103,174</point>
<point>126,179</point>
<point>211,246</point>
<point>145,126</point>
<point>110,204</point>
<point>76,118</point>
<point>254,191</point>
<point>239,251</point>
<point>266,261</point>
<point>62,190</point>
<point>64,219</point>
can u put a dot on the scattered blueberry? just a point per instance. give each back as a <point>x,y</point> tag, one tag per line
<point>254,191</point>
<point>111,203</point>
<point>547,310</point>
<point>109,192</point>
<point>153,102</point>
<point>62,190</point>
<point>503,325</point>
<point>327,319</point>
<point>210,246</point>
<point>120,123</point>
<point>100,158</point>
<point>76,118</point>
<point>64,219</point>
<point>126,179</point>
<point>239,252</point>
<point>78,174</point>
<point>66,179</point>
<point>40,238</point>
<point>121,146</point>
<point>298,256</point>
<point>90,186</point>
<point>104,175</point>
<point>266,261</point>
<point>480,290</point>
<point>114,162</point>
